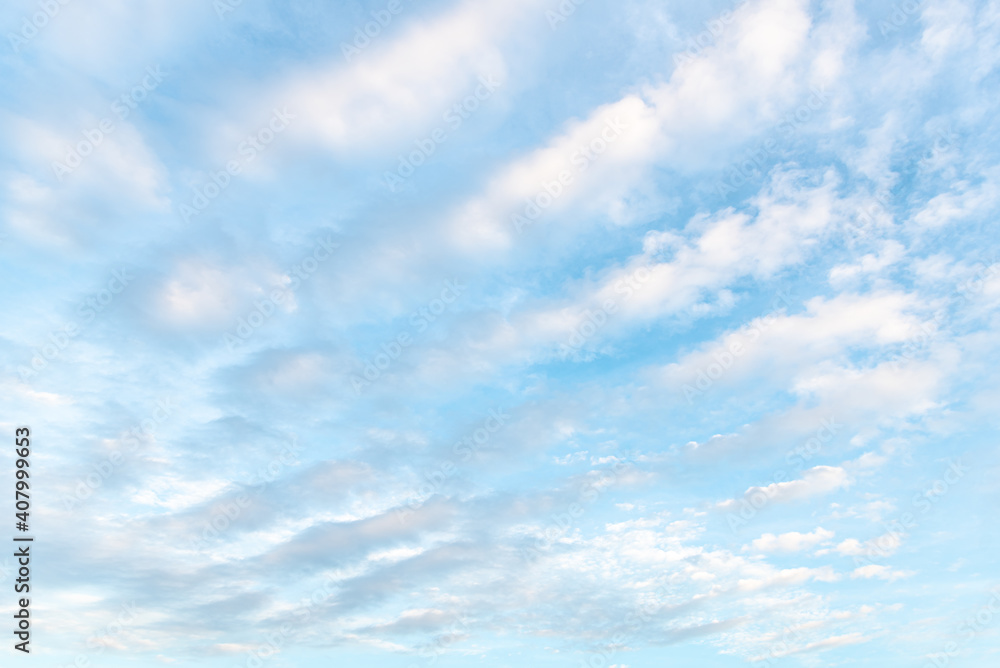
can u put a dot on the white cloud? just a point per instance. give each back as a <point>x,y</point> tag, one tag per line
<point>595,158</point>
<point>792,541</point>
<point>397,85</point>
<point>121,173</point>
<point>791,346</point>
<point>883,546</point>
<point>789,577</point>
<point>964,200</point>
<point>202,294</point>
<point>831,643</point>
<point>948,26</point>
<point>815,481</point>
<point>758,66</point>
<point>890,253</point>
<point>719,249</point>
<point>881,572</point>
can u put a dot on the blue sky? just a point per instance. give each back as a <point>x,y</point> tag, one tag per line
<point>621,334</point>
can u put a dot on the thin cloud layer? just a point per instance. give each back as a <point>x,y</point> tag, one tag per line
<point>394,334</point>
